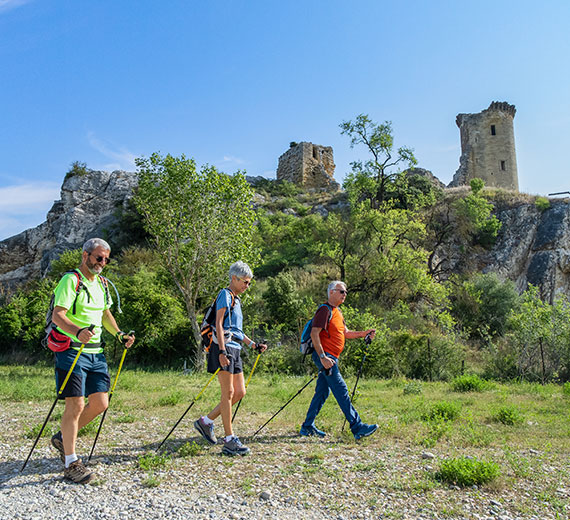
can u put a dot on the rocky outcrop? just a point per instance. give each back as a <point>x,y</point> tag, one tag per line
<point>86,209</point>
<point>533,247</point>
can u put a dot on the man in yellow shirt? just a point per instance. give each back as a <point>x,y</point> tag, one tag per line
<point>82,299</point>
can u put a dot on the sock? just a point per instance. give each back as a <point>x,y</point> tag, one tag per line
<point>206,420</point>
<point>228,438</point>
<point>69,459</point>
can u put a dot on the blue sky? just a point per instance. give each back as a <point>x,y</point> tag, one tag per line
<point>231,83</point>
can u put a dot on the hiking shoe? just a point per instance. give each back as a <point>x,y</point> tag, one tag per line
<point>206,431</point>
<point>78,473</point>
<point>57,443</point>
<point>234,447</point>
<point>365,430</point>
<point>306,431</point>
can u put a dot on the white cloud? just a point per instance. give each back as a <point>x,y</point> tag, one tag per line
<point>6,5</point>
<point>122,158</point>
<point>234,160</point>
<point>24,199</point>
<point>25,206</point>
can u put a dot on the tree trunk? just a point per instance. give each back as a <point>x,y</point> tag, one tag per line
<point>196,352</point>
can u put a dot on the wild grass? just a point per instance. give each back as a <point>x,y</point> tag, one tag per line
<point>436,417</point>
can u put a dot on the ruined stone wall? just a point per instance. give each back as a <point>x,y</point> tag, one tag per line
<point>488,147</point>
<point>308,165</point>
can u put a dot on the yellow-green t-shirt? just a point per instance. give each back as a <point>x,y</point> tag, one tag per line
<point>89,307</point>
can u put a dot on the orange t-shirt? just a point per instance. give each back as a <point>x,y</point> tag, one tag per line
<point>331,335</point>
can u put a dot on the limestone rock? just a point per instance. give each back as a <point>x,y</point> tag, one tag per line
<point>86,209</point>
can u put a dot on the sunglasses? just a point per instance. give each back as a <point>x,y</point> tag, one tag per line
<point>246,282</point>
<point>101,259</point>
<point>341,291</point>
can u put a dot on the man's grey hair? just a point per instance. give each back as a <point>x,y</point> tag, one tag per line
<point>93,243</point>
<point>240,270</point>
<point>333,285</point>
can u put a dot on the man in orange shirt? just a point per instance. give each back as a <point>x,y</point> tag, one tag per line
<point>328,334</point>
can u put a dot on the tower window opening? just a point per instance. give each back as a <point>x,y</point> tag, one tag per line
<point>493,130</point>
<point>503,165</point>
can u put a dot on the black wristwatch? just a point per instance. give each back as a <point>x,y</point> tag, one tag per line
<point>223,352</point>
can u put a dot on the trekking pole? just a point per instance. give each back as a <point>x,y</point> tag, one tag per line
<point>110,395</point>
<point>305,386</point>
<point>187,409</point>
<point>91,327</point>
<point>367,341</point>
<point>247,383</point>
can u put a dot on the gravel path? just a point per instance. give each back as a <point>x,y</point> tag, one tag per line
<point>285,477</point>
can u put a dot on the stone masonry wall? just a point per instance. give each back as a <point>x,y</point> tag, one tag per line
<point>308,165</point>
<point>488,147</point>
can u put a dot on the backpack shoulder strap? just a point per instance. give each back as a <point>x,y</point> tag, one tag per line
<point>105,284</point>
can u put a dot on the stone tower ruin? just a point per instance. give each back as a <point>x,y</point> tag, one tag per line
<point>488,147</point>
<point>308,165</point>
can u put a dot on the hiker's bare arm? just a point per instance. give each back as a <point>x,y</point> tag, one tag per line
<point>62,321</point>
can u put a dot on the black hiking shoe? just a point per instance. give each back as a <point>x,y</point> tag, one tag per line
<point>206,431</point>
<point>234,447</point>
<point>78,473</point>
<point>57,443</point>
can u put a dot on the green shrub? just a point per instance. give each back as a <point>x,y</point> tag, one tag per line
<point>77,168</point>
<point>464,472</point>
<point>442,410</point>
<point>468,383</point>
<point>151,461</point>
<point>509,415</point>
<point>189,449</point>
<point>413,388</point>
<point>542,204</point>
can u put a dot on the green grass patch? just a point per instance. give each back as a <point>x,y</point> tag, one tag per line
<point>509,415</point>
<point>151,481</point>
<point>190,449</point>
<point>442,410</point>
<point>32,433</point>
<point>469,383</point>
<point>152,461</point>
<point>464,472</point>
<point>173,398</point>
<point>566,389</point>
<point>125,418</point>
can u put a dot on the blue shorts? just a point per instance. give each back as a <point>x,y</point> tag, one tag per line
<point>90,374</point>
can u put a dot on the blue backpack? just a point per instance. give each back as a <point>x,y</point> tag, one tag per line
<point>306,346</point>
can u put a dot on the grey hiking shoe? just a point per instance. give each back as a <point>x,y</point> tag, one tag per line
<point>234,447</point>
<point>78,473</point>
<point>206,431</point>
<point>57,443</point>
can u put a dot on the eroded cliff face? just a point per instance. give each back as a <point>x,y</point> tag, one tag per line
<point>533,247</point>
<point>86,209</point>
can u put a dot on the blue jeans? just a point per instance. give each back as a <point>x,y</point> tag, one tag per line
<point>336,384</point>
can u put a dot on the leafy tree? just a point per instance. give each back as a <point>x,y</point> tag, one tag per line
<point>337,240</point>
<point>200,222</point>
<point>539,333</point>
<point>476,218</point>
<point>389,263</point>
<point>370,180</point>
<point>286,308</point>
<point>481,305</point>
<point>286,241</point>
